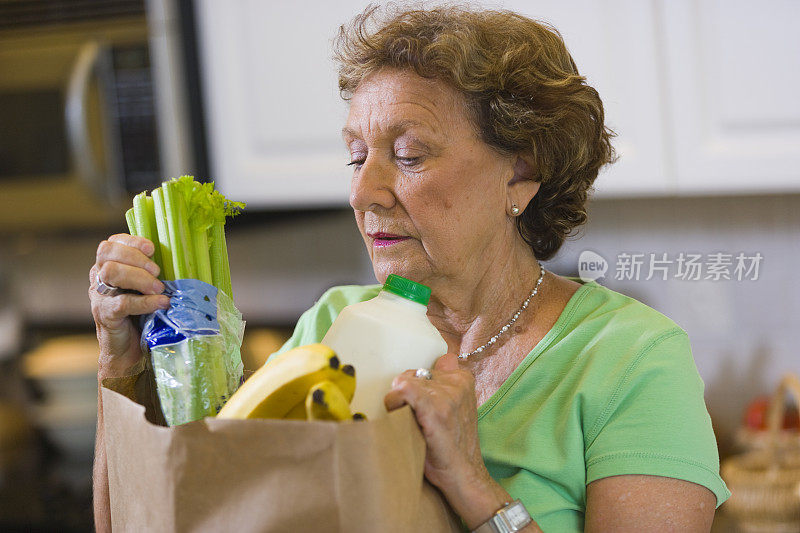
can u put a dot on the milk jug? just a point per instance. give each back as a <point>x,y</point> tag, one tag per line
<point>383,337</point>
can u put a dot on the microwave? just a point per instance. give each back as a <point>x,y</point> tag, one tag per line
<point>78,125</point>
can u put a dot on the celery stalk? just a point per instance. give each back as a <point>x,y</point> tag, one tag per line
<point>140,214</point>
<point>130,218</point>
<point>192,353</point>
<point>165,248</point>
<point>145,222</point>
<point>179,238</point>
<point>218,252</point>
<point>205,371</point>
<point>200,376</point>
<point>150,209</point>
<point>201,259</point>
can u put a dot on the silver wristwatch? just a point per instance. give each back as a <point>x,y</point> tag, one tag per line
<point>512,517</point>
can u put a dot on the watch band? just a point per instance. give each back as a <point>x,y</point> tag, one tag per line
<point>513,516</point>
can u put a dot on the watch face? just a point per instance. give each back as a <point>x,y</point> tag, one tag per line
<point>517,515</point>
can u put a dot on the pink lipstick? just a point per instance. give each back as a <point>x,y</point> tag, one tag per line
<point>382,240</point>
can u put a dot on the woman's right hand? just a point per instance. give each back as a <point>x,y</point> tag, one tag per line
<point>123,261</point>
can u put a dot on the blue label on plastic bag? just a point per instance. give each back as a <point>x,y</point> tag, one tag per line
<point>192,312</point>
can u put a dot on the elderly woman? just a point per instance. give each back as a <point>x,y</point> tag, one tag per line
<point>474,142</point>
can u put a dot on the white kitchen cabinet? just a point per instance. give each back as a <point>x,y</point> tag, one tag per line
<point>701,94</point>
<point>274,115</point>
<point>732,69</point>
<point>614,45</point>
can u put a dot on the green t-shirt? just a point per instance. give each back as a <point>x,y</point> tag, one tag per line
<point>611,389</point>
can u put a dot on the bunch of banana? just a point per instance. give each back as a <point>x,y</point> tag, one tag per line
<point>306,383</point>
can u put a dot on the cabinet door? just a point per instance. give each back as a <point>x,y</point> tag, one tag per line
<point>274,113</point>
<point>614,44</point>
<point>733,68</point>
<point>273,110</point>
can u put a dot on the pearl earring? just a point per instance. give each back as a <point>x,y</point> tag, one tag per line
<point>514,210</point>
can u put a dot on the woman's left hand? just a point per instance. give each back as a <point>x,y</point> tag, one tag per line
<point>446,410</point>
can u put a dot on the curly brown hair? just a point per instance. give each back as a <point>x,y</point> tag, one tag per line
<point>522,88</point>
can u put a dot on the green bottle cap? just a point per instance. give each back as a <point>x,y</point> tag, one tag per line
<point>410,290</point>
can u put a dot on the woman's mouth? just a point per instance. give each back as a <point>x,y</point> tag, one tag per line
<point>382,240</point>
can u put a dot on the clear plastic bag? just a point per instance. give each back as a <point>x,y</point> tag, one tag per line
<point>195,350</point>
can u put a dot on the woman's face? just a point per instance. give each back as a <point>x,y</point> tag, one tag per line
<point>430,198</point>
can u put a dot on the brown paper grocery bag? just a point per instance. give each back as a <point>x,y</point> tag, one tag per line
<point>265,475</point>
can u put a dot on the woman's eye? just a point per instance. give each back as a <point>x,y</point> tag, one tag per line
<point>356,160</point>
<point>408,161</point>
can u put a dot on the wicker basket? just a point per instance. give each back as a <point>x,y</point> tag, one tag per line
<point>765,483</point>
<point>747,439</point>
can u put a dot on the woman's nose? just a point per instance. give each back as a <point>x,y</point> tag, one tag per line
<point>371,186</point>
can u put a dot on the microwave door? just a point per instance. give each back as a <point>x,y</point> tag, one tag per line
<point>59,162</point>
<point>94,150</point>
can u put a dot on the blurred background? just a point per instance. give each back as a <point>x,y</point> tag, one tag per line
<point>102,99</point>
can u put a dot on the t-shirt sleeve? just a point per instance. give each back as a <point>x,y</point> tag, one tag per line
<point>655,421</point>
<point>312,325</point>
<point>307,331</point>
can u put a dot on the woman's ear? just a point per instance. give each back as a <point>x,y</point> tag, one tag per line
<point>522,187</point>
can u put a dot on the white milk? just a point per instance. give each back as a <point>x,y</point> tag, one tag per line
<point>382,338</point>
